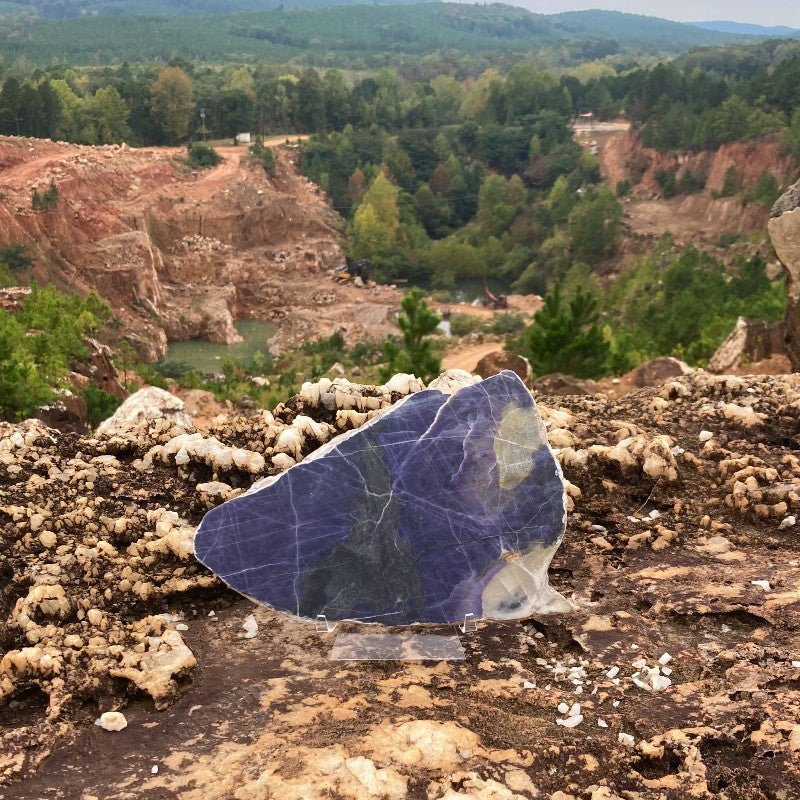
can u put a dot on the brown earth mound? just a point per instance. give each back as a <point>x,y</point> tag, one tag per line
<point>681,557</point>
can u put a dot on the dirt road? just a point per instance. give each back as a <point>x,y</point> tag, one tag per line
<point>614,126</point>
<point>210,181</point>
<point>467,358</point>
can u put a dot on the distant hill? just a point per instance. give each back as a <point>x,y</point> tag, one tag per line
<point>71,9</point>
<point>369,35</point>
<point>635,29</point>
<point>747,29</point>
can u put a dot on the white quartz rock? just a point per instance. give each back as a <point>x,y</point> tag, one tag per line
<point>111,721</point>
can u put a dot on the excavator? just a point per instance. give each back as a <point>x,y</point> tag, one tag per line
<point>353,268</point>
<point>496,302</point>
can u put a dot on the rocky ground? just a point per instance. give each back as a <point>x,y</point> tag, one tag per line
<point>682,559</point>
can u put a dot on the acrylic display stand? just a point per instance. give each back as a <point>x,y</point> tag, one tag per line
<point>403,646</point>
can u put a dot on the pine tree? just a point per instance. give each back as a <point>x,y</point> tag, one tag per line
<point>415,355</point>
<point>567,337</point>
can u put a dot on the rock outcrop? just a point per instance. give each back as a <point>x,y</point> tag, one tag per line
<point>181,255</point>
<point>784,230</point>
<point>68,412</point>
<point>750,340</point>
<point>559,385</point>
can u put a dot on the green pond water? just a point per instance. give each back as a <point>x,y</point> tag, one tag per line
<point>208,356</point>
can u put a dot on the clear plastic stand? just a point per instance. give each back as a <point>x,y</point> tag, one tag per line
<point>405,645</point>
<point>323,626</point>
<point>470,624</point>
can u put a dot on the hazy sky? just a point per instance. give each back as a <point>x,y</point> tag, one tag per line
<point>762,12</point>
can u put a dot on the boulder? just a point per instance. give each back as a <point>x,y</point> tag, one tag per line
<point>750,340</point>
<point>657,371</point>
<point>140,408</point>
<point>558,384</point>
<point>501,359</point>
<point>68,414</point>
<point>784,230</point>
<point>99,368</point>
<point>451,380</point>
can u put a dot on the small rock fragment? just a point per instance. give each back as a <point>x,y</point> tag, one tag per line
<point>111,721</point>
<point>250,627</point>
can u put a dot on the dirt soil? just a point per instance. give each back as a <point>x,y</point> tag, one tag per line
<point>181,254</point>
<point>682,541</point>
<point>467,356</point>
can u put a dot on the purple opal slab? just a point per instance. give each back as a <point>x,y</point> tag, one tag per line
<point>444,505</point>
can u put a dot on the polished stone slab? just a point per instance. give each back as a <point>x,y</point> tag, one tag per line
<point>445,505</point>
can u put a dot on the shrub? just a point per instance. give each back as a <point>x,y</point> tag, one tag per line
<point>47,200</point>
<point>175,370</point>
<point>731,184</point>
<point>100,405</point>
<point>15,257</point>
<point>464,324</point>
<point>624,187</point>
<point>666,180</point>
<point>6,276</point>
<point>364,353</point>
<point>727,239</point>
<point>691,182</point>
<point>507,324</point>
<point>202,156</point>
<point>38,344</point>
<point>263,155</point>
<point>764,192</point>
<point>328,350</point>
<point>441,296</point>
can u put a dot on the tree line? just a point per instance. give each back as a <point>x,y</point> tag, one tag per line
<point>702,103</point>
<point>146,104</point>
